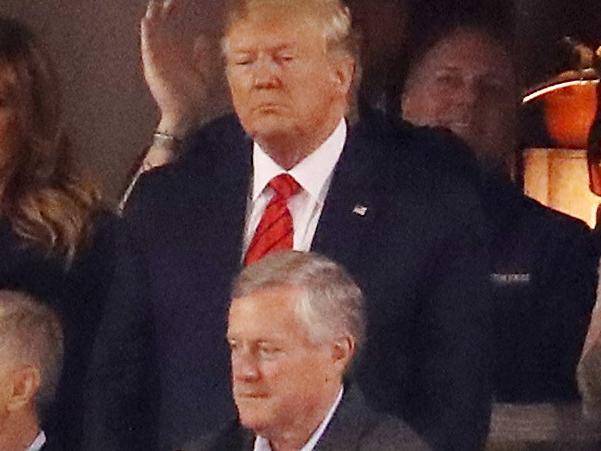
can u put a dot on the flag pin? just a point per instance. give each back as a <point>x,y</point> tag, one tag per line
<point>360,210</point>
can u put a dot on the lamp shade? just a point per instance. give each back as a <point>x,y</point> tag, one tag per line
<point>569,113</point>
<point>558,178</point>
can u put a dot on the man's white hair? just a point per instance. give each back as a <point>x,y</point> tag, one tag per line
<point>31,334</point>
<point>330,303</point>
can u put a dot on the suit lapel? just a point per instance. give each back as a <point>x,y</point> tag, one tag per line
<point>232,438</point>
<point>350,206</point>
<point>347,425</point>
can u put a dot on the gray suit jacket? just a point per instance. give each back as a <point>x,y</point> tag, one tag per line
<point>354,427</point>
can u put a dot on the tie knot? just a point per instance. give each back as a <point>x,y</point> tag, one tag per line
<point>284,185</point>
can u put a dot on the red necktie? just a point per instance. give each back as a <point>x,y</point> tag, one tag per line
<point>275,230</point>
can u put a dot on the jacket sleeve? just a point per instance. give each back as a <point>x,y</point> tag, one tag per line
<point>121,392</point>
<point>455,333</point>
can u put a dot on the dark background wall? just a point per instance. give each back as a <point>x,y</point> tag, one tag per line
<point>94,44</point>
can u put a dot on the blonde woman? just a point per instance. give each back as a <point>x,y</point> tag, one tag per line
<point>54,238</point>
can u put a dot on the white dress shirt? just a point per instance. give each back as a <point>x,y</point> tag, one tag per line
<point>38,443</point>
<point>262,444</point>
<point>313,174</point>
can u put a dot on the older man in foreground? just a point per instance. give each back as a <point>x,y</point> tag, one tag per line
<point>296,323</point>
<point>463,77</point>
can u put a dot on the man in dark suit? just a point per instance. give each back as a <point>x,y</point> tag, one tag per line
<point>410,234</point>
<point>296,323</point>
<point>544,267</point>
<point>31,355</point>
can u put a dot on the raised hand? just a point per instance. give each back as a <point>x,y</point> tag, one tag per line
<point>177,76</point>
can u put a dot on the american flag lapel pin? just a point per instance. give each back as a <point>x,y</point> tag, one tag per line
<point>360,210</point>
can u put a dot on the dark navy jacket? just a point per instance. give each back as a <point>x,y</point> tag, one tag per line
<point>544,280</point>
<point>419,252</point>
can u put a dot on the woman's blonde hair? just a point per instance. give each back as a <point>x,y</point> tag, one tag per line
<point>48,203</point>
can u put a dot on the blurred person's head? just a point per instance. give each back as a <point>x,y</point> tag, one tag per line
<point>296,322</point>
<point>31,354</point>
<point>290,66</point>
<point>382,26</point>
<point>464,78</point>
<point>46,201</point>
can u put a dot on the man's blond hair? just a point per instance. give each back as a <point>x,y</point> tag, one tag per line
<point>331,17</point>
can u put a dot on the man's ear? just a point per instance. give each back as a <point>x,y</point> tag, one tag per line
<point>25,385</point>
<point>343,351</point>
<point>343,73</point>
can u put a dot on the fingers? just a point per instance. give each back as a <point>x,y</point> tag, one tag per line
<point>201,49</point>
<point>202,53</point>
<point>168,6</point>
<point>158,10</point>
<point>158,18</point>
<point>153,9</point>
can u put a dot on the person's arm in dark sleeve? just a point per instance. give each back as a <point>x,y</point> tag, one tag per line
<point>457,325</point>
<point>121,396</point>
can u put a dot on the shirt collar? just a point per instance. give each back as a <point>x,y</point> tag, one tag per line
<point>38,443</point>
<point>262,444</point>
<point>311,173</point>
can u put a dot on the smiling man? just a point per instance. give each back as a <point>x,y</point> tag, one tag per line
<point>288,172</point>
<point>466,81</point>
<point>463,77</point>
<point>295,326</point>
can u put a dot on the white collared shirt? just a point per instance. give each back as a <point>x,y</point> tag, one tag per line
<point>38,443</point>
<point>313,174</point>
<point>262,444</point>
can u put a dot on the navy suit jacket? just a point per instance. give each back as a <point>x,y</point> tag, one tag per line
<point>419,253</point>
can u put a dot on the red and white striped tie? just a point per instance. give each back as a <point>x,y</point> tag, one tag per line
<point>275,231</point>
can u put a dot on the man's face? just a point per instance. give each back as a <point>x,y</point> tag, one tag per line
<point>280,378</point>
<point>285,86</point>
<point>466,83</point>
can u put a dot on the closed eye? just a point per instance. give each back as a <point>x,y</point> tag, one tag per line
<point>241,59</point>
<point>243,62</point>
<point>268,351</point>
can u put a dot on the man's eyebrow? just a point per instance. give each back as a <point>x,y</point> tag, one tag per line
<point>485,72</point>
<point>240,49</point>
<point>286,46</point>
<point>448,66</point>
